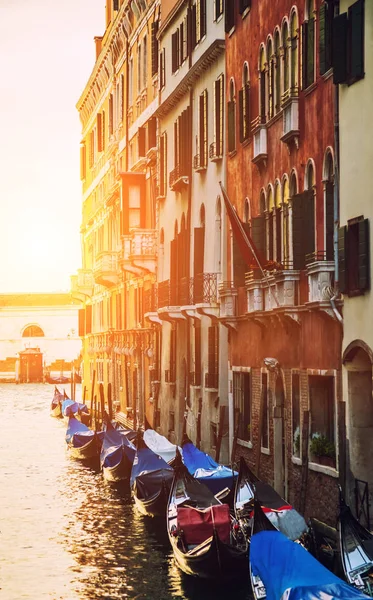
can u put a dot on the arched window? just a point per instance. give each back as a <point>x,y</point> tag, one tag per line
<point>262,84</point>
<point>33,331</point>
<point>277,225</point>
<point>294,53</point>
<point>310,176</point>
<point>308,45</point>
<point>270,223</point>
<point>244,105</point>
<point>231,118</point>
<point>286,68</point>
<point>329,205</point>
<point>286,223</point>
<point>247,211</point>
<point>277,72</point>
<point>270,79</point>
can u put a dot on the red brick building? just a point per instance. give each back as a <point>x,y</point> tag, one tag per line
<point>281,179</point>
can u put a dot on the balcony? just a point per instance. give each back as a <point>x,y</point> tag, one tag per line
<point>151,305</point>
<point>199,163</point>
<point>260,153</point>
<point>168,301</point>
<point>205,294</point>
<point>212,381</point>
<point>279,292</point>
<point>215,151</point>
<point>320,274</point>
<point>139,251</point>
<point>178,179</point>
<point>228,300</point>
<point>106,269</point>
<point>82,284</point>
<point>291,122</point>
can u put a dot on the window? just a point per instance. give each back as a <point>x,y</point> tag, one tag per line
<point>348,45</point>
<point>200,20</point>
<point>162,175</point>
<point>212,376</point>
<point>277,73</point>
<point>83,161</point>
<point>173,355</point>
<point>154,47</point>
<point>286,224</point>
<point>270,223</point>
<point>326,15</point>
<point>141,141</point>
<point>230,15</point>
<point>353,257</point>
<point>277,226</point>
<point>152,133</point>
<point>231,118</point>
<point>262,86</point>
<point>285,45</point>
<point>200,161</point>
<point>111,114</point>
<point>162,69</point>
<point>244,105</point>
<point>219,8</point>
<point>265,425</point>
<point>329,207</point>
<point>295,413</point>
<point>294,54</point>
<point>145,61</point>
<point>175,44</point>
<point>270,79</point>
<point>217,149</point>
<point>308,46</point>
<point>91,148</point>
<point>243,5</point>
<point>130,82</point>
<point>321,394</point>
<point>139,81</point>
<point>303,222</point>
<point>242,403</point>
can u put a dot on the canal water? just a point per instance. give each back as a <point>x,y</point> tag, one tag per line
<point>66,534</point>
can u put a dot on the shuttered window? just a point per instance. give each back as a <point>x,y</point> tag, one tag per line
<point>231,126</point>
<point>198,263</point>
<point>99,132</point>
<point>242,403</point>
<point>219,8</point>
<point>173,355</point>
<point>353,255</point>
<point>155,47</point>
<point>340,48</point>
<point>244,112</point>
<point>258,235</point>
<point>308,53</point>
<point>356,41</point>
<point>83,161</point>
<point>202,142</point>
<point>329,220</point>
<point>303,220</point>
<point>200,20</point>
<point>230,6</point>
<point>141,141</point>
<point>175,51</point>
<point>162,164</point>
<point>218,115</point>
<point>152,133</point>
<point>240,266</point>
<point>111,114</point>
<point>243,5</point>
<point>162,69</point>
<point>325,37</point>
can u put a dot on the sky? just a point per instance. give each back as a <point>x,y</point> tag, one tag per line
<point>47,54</point>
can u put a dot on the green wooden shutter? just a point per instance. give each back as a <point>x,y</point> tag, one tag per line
<point>364,266</point>
<point>339,49</point>
<point>342,256</point>
<point>241,115</point>
<point>323,16</point>
<point>329,220</point>
<point>356,26</point>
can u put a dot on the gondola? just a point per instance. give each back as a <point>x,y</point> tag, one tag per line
<point>281,514</point>
<point>151,479</point>
<point>287,571</point>
<point>79,410</point>
<point>56,379</point>
<point>356,548</point>
<point>218,478</point>
<point>160,445</point>
<point>83,443</point>
<point>56,405</point>
<point>117,454</point>
<point>206,541</point>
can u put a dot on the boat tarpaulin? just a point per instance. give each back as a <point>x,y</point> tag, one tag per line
<point>160,445</point>
<point>289,572</point>
<point>70,408</point>
<point>150,467</point>
<point>205,469</point>
<point>77,433</point>
<point>114,445</point>
<point>199,525</point>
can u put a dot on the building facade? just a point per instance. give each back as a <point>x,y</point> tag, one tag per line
<point>284,319</point>
<point>353,75</point>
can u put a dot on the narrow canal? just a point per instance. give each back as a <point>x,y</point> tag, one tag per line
<point>65,534</point>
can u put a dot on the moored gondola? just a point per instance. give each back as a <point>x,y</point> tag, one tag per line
<point>151,479</point>
<point>206,541</point>
<point>356,548</point>
<point>82,442</point>
<point>56,404</point>
<point>79,410</point>
<point>286,570</point>
<point>117,454</point>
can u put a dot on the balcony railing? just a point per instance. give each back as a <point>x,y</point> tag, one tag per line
<point>279,290</point>
<point>167,294</point>
<point>199,162</point>
<point>106,271</point>
<point>185,291</point>
<point>320,274</point>
<point>260,143</point>
<point>205,288</point>
<point>291,121</point>
<point>216,151</point>
<point>150,299</point>
<point>178,178</point>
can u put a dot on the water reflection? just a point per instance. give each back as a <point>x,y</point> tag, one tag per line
<point>70,535</point>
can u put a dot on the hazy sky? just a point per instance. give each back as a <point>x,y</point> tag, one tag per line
<point>47,53</point>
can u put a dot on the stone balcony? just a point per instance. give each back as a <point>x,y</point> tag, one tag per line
<point>82,284</point>
<point>139,251</point>
<point>106,268</point>
<point>280,290</point>
<point>320,275</point>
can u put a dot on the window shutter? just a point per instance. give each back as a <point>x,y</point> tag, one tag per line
<point>309,224</point>
<point>329,220</point>
<point>81,322</point>
<point>258,235</point>
<point>239,264</point>
<point>229,15</point>
<point>173,271</point>
<point>243,5</point>
<point>356,24</point>
<point>202,18</point>
<point>193,26</point>
<point>141,141</point>
<point>323,38</point>
<point>201,145</point>
<point>154,31</point>
<point>339,49</point>
<point>297,223</point>
<point>342,255</point>
<point>246,103</point>
<point>174,52</point>
<point>99,132</point>
<point>241,115</point>
<point>231,126</point>
<point>262,96</point>
<point>364,266</point>
<point>310,52</point>
<point>304,54</point>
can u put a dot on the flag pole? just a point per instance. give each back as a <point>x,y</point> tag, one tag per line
<point>248,241</point>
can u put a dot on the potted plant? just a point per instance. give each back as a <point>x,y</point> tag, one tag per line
<point>323,449</point>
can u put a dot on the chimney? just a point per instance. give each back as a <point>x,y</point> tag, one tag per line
<point>98,42</point>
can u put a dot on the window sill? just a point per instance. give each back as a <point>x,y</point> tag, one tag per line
<point>331,471</point>
<point>232,153</point>
<point>328,74</point>
<point>265,451</point>
<point>231,31</point>
<point>296,460</point>
<point>310,89</point>
<point>245,12</point>
<point>274,119</point>
<point>247,142</point>
<point>245,443</point>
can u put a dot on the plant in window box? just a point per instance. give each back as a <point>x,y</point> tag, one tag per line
<point>296,441</point>
<point>323,449</point>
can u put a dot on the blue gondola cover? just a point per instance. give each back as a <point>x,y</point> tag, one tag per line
<point>77,433</point>
<point>148,472</point>
<point>70,408</point>
<point>289,572</point>
<point>113,445</point>
<point>205,469</point>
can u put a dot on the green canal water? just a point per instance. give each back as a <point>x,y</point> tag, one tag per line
<point>65,534</point>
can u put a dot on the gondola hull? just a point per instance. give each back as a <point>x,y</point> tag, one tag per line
<point>155,505</point>
<point>118,472</point>
<point>211,560</point>
<point>56,411</point>
<point>88,451</point>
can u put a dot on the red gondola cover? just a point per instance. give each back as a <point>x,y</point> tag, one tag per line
<point>198,525</point>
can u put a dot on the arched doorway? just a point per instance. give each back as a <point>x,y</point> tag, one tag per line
<point>358,360</point>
